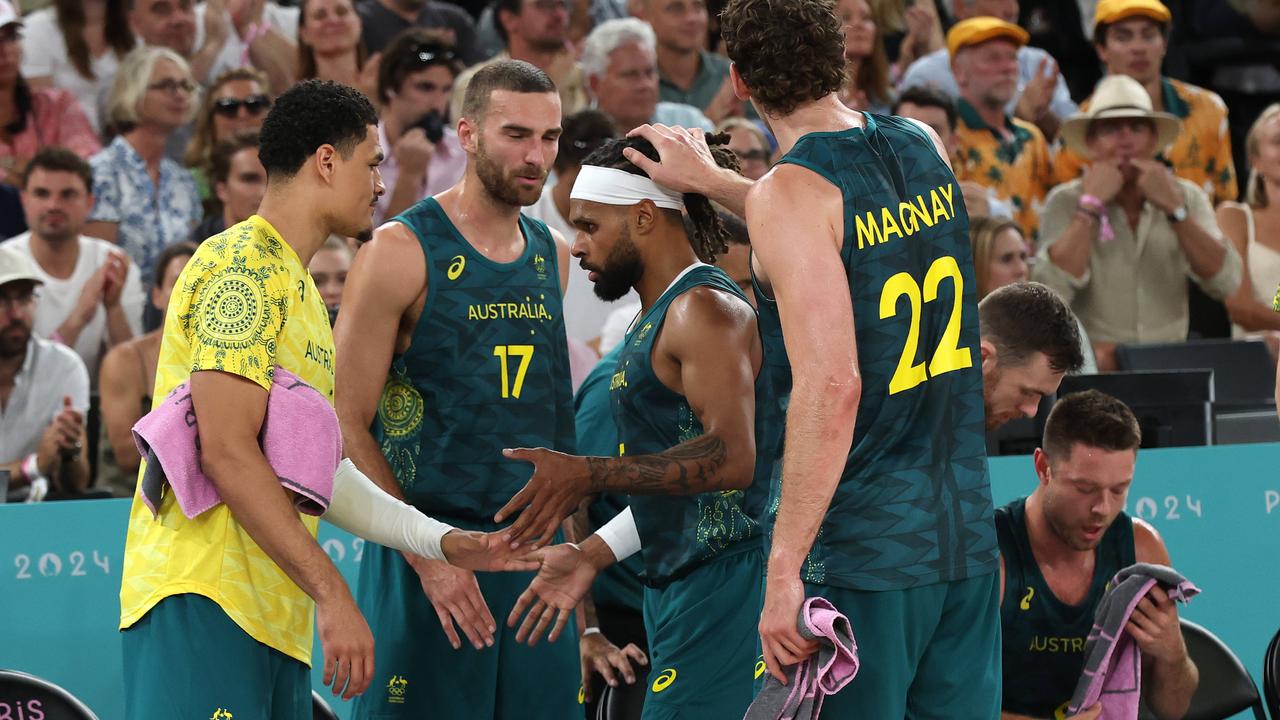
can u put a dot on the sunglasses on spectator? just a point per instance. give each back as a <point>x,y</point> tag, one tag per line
<point>171,86</point>
<point>255,105</point>
<point>428,53</point>
<point>752,155</point>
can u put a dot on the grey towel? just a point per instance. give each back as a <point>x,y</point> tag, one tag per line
<point>821,674</point>
<point>1113,665</point>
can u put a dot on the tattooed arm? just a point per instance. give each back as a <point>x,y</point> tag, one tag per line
<point>709,352</point>
<point>689,468</point>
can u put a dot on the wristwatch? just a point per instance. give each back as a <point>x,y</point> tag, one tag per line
<point>1178,215</point>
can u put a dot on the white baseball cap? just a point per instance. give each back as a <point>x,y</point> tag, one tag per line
<point>14,265</point>
<point>9,15</point>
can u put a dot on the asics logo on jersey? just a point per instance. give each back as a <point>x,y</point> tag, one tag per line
<point>664,680</point>
<point>456,267</point>
<point>1026,600</point>
<point>760,667</point>
<point>906,219</point>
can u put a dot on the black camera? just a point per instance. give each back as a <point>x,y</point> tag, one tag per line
<point>432,125</point>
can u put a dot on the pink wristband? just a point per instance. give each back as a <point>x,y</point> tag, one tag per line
<point>1095,207</point>
<point>255,31</point>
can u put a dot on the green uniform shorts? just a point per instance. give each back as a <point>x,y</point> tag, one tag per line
<point>924,653</point>
<point>186,659</point>
<point>703,640</point>
<point>418,674</point>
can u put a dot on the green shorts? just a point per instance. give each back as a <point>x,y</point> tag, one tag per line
<point>186,659</point>
<point>418,674</point>
<point>703,640</point>
<point>926,652</point>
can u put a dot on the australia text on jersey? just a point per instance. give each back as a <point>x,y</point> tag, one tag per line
<point>527,310</point>
<point>904,221</point>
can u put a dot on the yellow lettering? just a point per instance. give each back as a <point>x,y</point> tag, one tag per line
<point>908,223</point>
<point>949,191</point>
<point>868,232</point>
<point>890,225</point>
<point>939,210</point>
<point>508,311</point>
<point>921,213</point>
<point>1057,644</point>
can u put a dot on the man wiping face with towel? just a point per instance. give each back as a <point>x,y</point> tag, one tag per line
<point>1058,550</point>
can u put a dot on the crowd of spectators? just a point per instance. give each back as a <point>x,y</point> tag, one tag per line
<point>128,131</point>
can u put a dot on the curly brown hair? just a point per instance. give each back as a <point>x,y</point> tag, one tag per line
<point>788,52</point>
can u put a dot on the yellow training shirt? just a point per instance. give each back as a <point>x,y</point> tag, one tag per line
<point>1017,167</point>
<point>243,305</point>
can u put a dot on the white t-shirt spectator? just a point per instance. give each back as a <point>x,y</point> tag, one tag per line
<point>44,54</point>
<point>59,297</point>
<point>49,373</point>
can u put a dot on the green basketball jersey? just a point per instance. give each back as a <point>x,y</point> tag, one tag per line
<point>677,533</point>
<point>487,369</point>
<point>1042,637</point>
<point>619,584</point>
<point>913,506</point>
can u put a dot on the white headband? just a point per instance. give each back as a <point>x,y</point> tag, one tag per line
<point>619,187</point>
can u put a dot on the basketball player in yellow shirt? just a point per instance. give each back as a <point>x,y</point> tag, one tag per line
<point>216,610</point>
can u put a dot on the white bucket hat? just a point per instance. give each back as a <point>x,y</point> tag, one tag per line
<point>1118,96</point>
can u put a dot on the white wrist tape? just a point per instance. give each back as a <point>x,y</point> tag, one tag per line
<point>621,535</point>
<point>39,489</point>
<point>362,508</point>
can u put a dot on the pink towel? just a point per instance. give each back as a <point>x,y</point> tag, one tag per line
<point>1113,663</point>
<point>823,673</point>
<point>300,439</point>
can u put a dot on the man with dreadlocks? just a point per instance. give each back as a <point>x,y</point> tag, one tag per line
<point>683,395</point>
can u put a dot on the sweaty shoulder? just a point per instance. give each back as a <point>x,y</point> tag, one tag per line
<point>1148,546</point>
<point>787,183</point>
<point>395,259</point>
<point>704,306</point>
<point>706,314</point>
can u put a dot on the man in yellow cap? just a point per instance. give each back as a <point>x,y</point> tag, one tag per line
<point>997,149</point>
<point>1132,37</point>
<point>1042,98</point>
<point>1118,243</point>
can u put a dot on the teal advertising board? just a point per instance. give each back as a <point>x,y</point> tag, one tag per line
<point>1218,509</point>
